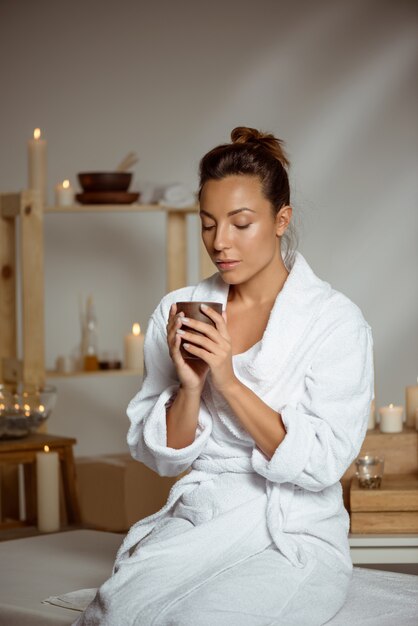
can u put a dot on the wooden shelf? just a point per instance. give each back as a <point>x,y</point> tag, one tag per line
<point>118,208</point>
<point>121,372</point>
<point>27,205</point>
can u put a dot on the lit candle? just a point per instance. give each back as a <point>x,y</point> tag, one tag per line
<point>411,394</point>
<point>37,164</point>
<point>47,482</point>
<point>391,419</point>
<point>64,194</point>
<point>134,349</point>
<point>372,417</point>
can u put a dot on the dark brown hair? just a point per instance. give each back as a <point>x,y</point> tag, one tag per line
<point>251,153</point>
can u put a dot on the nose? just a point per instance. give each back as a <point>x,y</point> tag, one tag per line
<point>221,240</point>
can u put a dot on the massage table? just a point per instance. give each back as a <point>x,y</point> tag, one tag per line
<point>36,568</point>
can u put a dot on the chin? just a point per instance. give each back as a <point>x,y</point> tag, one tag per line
<point>230,280</point>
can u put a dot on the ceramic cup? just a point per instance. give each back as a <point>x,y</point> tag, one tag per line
<point>193,310</point>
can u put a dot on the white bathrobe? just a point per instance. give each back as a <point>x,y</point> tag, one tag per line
<point>314,366</point>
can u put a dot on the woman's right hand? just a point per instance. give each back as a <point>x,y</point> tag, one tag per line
<point>191,372</point>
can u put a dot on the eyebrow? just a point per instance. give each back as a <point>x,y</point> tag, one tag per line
<point>228,214</point>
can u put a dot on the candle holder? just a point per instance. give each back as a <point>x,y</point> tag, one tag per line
<point>24,408</point>
<point>369,471</point>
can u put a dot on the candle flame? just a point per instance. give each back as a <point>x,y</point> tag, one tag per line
<point>26,407</point>
<point>37,133</point>
<point>46,448</point>
<point>66,184</point>
<point>41,408</point>
<point>136,329</point>
<point>391,406</point>
<point>17,407</point>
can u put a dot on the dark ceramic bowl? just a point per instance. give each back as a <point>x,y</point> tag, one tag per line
<point>105,181</point>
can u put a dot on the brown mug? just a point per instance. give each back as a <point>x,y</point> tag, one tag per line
<point>193,311</point>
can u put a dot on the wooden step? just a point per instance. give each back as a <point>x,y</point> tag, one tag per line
<point>391,508</point>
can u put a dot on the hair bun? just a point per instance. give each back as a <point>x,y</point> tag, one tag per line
<point>245,134</point>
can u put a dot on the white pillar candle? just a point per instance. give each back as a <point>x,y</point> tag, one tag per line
<point>37,164</point>
<point>411,397</point>
<point>47,482</point>
<point>134,349</point>
<point>64,194</point>
<point>372,417</point>
<point>391,419</point>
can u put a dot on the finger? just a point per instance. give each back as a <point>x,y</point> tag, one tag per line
<point>201,327</point>
<point>173,320</point>
<point>202,354</point>
<point>173,309</point>
<point>220,320</point>
<point>200,340</point>
<point>177,356</point>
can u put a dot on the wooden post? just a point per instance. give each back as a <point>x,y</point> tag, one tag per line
<point>32,266</point>
<point>206,266</point>
<point>9,204</point>
<point>176,249</point>
<point>9,209</point>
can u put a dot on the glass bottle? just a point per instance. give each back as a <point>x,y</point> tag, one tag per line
<point>90,338</point>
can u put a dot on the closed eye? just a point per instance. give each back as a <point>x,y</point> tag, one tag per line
<point>236,226</point>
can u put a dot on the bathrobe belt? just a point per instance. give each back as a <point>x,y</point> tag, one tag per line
<point>279,497</point>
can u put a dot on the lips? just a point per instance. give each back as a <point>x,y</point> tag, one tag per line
<point>227,264</point>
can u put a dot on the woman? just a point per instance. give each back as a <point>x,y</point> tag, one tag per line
<point>269,420</point>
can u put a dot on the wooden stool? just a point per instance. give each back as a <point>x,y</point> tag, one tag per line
<point>16,451</point>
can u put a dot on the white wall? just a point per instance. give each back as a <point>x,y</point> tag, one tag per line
<point>336,80</point>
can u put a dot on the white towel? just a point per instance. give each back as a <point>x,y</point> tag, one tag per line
<point>177,195</point>
<point>77,600</point>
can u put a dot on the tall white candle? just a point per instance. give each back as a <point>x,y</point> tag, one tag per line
<point>411,398</point>
<point>37,164</point>
<point>64,194</point>
<point>47,482</point>
<point>372,417</point>
<point>391,419</point>
<point>134,349</point>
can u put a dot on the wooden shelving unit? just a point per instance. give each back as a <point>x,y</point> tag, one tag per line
<point>27,207</point>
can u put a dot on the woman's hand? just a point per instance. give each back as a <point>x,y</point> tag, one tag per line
<point>213,346</point>
<point>192,374</point>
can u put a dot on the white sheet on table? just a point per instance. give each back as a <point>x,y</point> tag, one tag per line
<point>376,598</point>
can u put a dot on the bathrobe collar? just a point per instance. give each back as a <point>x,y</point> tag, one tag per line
<point>295,309</point>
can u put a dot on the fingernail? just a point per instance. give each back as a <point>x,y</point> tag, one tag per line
<point>204,306</point>
<point>180,332</point>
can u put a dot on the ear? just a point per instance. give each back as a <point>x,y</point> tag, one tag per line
<point>282,219</point>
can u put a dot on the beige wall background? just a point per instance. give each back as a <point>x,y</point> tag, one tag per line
<point>336,80</point>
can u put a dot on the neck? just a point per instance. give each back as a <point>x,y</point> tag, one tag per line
<point>263,287</point>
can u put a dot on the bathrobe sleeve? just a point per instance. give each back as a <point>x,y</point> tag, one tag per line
<point>147,435</point>
<point>325,431</point>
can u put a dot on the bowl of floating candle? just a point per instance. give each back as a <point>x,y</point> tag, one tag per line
<point>23,408</point>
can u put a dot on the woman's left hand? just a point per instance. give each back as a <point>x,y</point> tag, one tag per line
<point>213,346</point>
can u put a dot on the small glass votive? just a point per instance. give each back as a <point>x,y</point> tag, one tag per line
<point>109,360</point>
<point>369,471</point>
